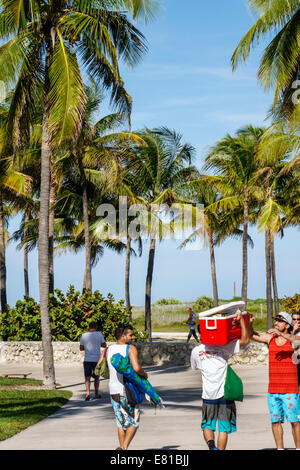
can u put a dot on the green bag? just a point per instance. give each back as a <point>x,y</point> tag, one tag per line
<point>233,389</point>
<point>103,369</point>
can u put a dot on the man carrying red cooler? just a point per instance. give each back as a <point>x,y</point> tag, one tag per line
<point>211,360</point>
<point>283,391</point>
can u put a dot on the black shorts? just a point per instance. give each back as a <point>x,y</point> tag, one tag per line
<point>89,369</point>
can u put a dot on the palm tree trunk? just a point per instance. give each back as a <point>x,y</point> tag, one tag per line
<point>43,250</point>
<point>148,328</point>
<point>87,242</point>
<point>2,261</point>
<point>268,280</point>
<point>245,249</point>
<point>127,274</point>
<point>213,269</point>
<point>84,281</point>
<point>274,280</point>
<point>51,235</point>
<point>26,277</point>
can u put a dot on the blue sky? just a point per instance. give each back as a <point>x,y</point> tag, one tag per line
<point>185,82</point>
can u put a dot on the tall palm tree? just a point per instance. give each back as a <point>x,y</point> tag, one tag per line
<point>278,176</point>
<point>157,168</point>
<point>279,66</point>
<point>12,184</point>
<point>53,44</point>
<point>200,192</point>
<point>28,161</point>
<point>123,184</point>
<point>234,163</point>
<point>27,240</point>
<point>92,159</point>
<point>216,225</point>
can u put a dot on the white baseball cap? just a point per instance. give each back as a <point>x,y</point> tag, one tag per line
<point>285,317</point>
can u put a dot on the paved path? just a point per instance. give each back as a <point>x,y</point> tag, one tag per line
<point>90,425</point>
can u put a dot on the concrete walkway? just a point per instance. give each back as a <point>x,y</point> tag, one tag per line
<point>81,425</point>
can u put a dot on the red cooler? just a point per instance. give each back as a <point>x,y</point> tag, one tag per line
<point>220,330</point>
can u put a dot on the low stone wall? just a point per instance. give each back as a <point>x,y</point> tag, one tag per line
<point>158,354</point>
<point>31,352</point>
<point>179,354</point>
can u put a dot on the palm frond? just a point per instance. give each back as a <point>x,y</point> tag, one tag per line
<point>67,95</point>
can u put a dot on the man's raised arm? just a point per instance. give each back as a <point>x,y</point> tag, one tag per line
<point>289,336</point>
<point>258,337</point>
<point>245,337</point>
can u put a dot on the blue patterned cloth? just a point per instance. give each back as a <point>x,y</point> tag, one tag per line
<point>123,366</point>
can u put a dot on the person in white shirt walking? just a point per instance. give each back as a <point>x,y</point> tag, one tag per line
<point>91,343</point>
<point>212,360</point>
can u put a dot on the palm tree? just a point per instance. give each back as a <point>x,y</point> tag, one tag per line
<point>28,162</point>
<point>73,240</point>
<point>52,45</point>
<point>279,66</point>
<point>157,168</point>
<point>122,183</point>
<point>233,160</point>
<point>198,191</point>
<point>93,159</point>
<point>99,154</point>
<point>278,176</point>
<point>217,224</point>
<point>27,240</point>
<point>12,184</point>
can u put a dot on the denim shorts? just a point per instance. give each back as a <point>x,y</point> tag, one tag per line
<point>284,405</point>
<point>125,414</point>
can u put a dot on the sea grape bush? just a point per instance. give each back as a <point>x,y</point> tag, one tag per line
<point>291,304</point>
<point>169,301</point>
<point>203,303</point>
<point>70,315</point>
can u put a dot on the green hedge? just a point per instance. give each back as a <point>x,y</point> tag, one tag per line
<point>70,315</point>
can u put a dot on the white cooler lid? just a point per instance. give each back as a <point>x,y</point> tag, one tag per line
<point>231,307</point>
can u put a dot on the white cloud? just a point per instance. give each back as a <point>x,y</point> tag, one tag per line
<point>224,73</point>
<point>240,117</point>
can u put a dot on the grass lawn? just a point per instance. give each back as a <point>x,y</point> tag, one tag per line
<point>19,381</point>
<point>20,409</point>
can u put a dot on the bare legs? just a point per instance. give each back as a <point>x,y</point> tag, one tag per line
<point>278,435</point>
<point>126,436</point>
<point>277,430</point>
<point>296,434</point>
<point>209,435</point>
<point>88,387</point>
